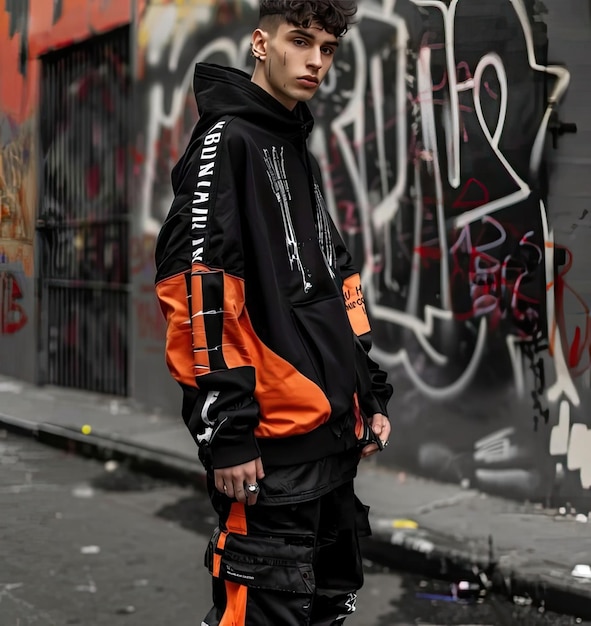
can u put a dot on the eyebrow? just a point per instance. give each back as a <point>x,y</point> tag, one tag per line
<point>308,35</point>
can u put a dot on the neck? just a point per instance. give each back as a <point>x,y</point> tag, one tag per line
<point>258,78</point>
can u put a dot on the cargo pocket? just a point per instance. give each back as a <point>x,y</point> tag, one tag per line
<point>279,575</point>
<point>263,562</point>
<point>362,524</point>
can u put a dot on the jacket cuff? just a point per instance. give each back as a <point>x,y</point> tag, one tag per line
<point>235,452</point>
<point>372,405</point>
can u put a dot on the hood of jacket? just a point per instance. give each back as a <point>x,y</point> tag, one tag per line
<point>222,91</point>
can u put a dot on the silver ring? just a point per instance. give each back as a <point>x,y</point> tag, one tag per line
<point>225,488</point>
<point>253,489</point>
<point>385,444</point>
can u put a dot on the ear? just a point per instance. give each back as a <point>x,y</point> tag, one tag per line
<point>259,44</point>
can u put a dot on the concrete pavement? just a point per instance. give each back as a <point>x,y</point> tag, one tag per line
<point>437,529</point>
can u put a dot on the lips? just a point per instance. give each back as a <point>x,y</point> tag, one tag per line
<point>308,81</point>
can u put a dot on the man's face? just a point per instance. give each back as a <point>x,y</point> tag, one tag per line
<point>296,61</point>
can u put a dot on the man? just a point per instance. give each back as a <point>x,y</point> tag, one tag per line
<point>267,333</point>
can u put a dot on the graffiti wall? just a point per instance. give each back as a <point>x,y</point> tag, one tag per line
<point>433,132</point>
<point>445,150</point>
<point>444,199</point>
<point>440,162</point>
<point>18,193</point>
<point>17,206</point>
<point>172,37</point>
<point>28,30</point>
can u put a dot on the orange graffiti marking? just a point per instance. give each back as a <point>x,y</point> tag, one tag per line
<point>14,93</point>
<point>79,19</point>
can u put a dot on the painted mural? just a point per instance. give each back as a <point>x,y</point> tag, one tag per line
<point>17,162</point>
<point>431,132</point>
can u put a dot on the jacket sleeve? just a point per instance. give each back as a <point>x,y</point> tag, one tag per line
<point>374,392</point>
<point>204,305</point>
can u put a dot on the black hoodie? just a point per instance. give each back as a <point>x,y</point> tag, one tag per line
<point>267,332</point>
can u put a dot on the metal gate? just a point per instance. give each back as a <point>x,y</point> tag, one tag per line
<point>83,222</point>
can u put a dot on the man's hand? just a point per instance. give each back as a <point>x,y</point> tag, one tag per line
<point>380,425</point>
<point>232,481</point>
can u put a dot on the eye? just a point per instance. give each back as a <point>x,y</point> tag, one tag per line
<point>300,42</point>
<point>327,50</point>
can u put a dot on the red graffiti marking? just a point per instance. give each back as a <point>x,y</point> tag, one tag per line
<point>12,316</point>
<point>428,253</point>
<point>496,285</point>
<point>349,222</point>
<point>463,201</point>
<point>578,351</point>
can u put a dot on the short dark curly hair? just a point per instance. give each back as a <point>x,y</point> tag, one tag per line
<point>335,16</point>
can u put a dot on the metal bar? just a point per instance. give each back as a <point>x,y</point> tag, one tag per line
<point>49,224</point>
<point>84,223</point>
<point>79,285</point>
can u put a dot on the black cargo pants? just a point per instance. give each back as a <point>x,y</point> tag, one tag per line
<point>287,565</point>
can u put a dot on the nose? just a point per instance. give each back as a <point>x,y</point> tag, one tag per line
<point>315,58</point>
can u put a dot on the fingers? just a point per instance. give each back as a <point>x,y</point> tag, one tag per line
<point>245,490</point>
<point>259,469</point>
<point>368,450</point>
<point>252,492</point>
<point>219,482</point>
<point>381,427</point>
<point>234,486</point>
<point>239,492</point>
<point>379,424</point>
<point>234,481</point>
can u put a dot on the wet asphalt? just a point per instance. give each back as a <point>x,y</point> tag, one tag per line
<point>93,543</point>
